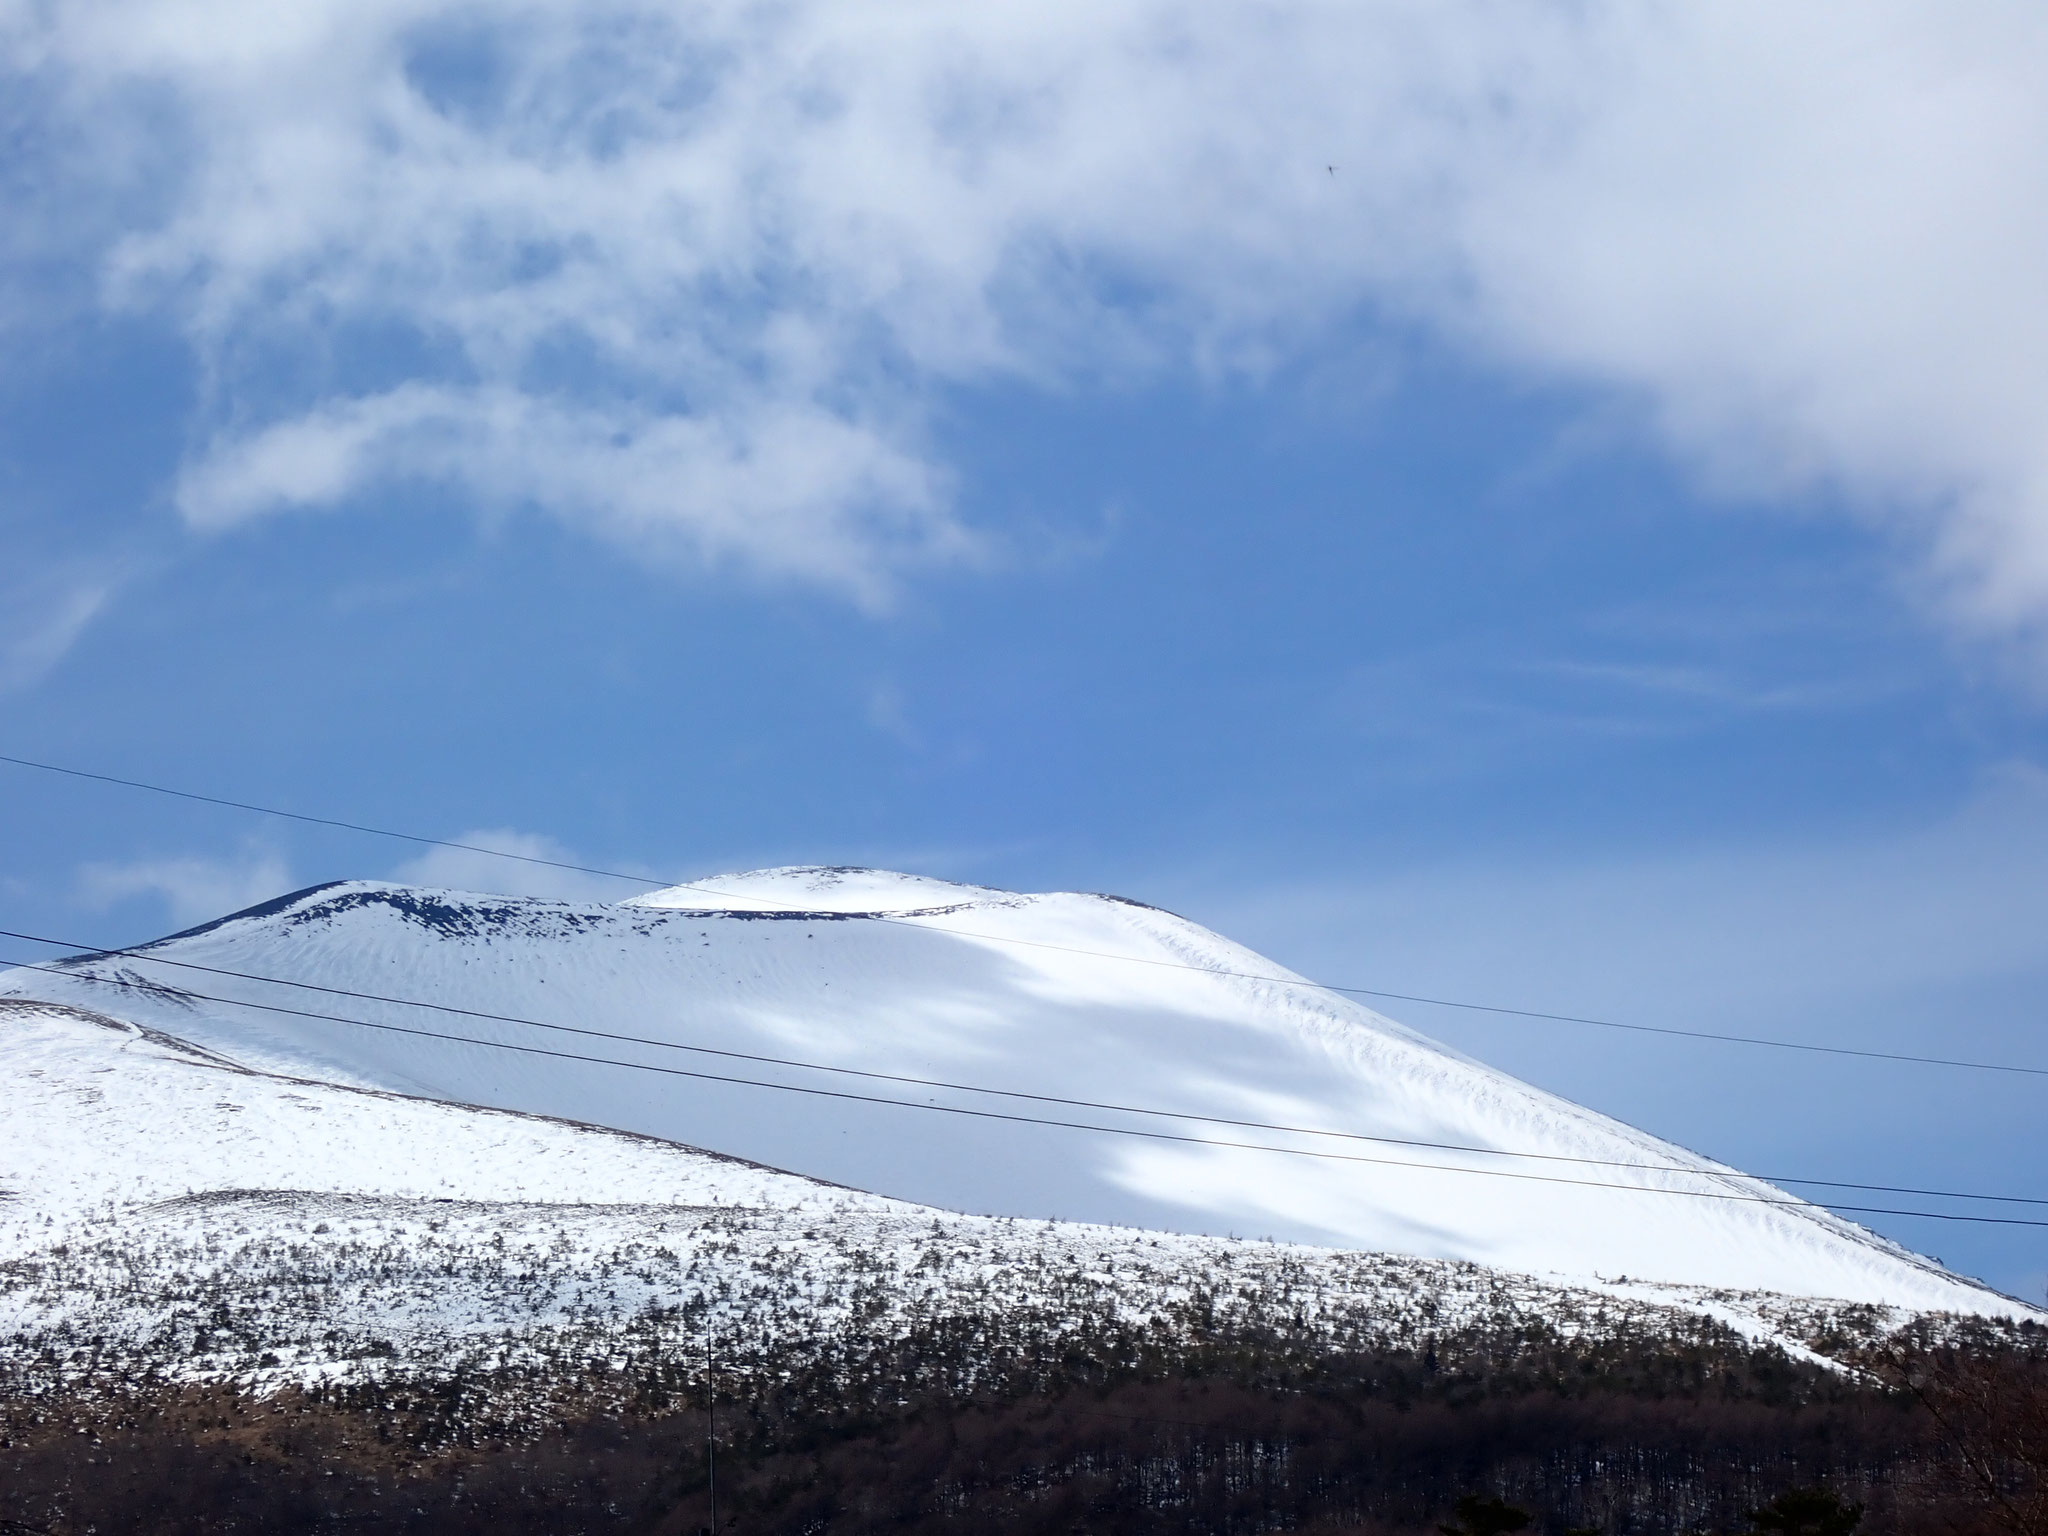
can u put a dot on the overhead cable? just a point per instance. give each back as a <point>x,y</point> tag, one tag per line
<point>141,954</point>
<point>1908,1058</point>
<point>1072,1125</point>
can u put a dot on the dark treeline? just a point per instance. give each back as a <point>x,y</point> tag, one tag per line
<point>1104,1431</point>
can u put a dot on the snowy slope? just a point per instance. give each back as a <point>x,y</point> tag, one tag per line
<point>106,1115</point>
<point>1067,995</point>
<point>172,1213</point>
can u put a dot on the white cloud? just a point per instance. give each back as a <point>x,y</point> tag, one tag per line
<point>481,866</point>
<point>193,890</point>
<point>692,275</point>
<point>780,486</point>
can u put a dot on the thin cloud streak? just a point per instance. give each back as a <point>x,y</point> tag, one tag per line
<point>45,611</point>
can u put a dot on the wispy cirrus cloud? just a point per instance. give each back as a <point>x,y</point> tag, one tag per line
<point>43,609</point>
<point>694,276</point>
<point>1421,711</point>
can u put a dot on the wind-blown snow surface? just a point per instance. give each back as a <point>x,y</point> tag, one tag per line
<point>1067,995</point>
<point>172,1214</point>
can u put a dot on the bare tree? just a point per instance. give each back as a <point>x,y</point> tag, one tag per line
<point>1990,1403</point>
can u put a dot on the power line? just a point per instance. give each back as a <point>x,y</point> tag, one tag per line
<point>61,968</point>
<point>1020,1119</point>
<point>324,821</point>
<point>999,938</point>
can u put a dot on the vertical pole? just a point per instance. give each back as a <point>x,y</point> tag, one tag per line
<point>711,1427</point>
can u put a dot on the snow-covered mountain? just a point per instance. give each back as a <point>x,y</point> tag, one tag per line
<point>171,1215</point>
<point>1063,996</point>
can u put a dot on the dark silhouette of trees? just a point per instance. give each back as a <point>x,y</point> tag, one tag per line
<point>1990,1404</point>
<point>1486,1516</point>
<point>964,1427</point>
<point>1807,1512</point>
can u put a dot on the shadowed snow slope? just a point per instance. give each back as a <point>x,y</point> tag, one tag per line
<point>1082,997</point>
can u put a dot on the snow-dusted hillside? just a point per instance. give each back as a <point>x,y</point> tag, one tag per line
<point>1081,997</point>
<point>172,1214</point>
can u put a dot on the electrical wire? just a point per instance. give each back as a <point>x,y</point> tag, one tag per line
<point>1010,939</point>
<point>1020,1119</point>
<point>65,967</point>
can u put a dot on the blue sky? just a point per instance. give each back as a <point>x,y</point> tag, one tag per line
<point>1586,551</point>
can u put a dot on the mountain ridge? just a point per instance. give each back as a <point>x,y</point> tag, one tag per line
<point>1032,993</point>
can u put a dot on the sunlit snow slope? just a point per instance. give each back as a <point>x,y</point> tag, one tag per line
<point>1071,996</point>
<point>104,1115</point>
